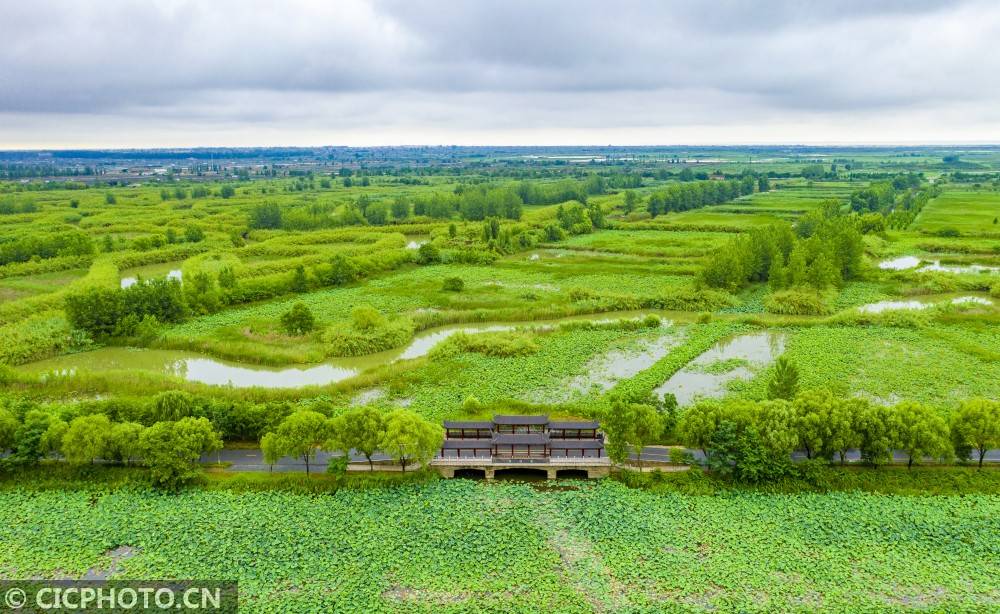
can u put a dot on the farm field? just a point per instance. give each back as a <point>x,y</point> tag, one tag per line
<point>459,546</point>
<point>755,325</point>
<point>966,212</point>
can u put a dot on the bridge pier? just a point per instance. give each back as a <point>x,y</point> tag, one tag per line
<point>598,472</point>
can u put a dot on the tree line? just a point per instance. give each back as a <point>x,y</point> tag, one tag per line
<point>753,440</point>
<point>402,434</point>
<point>170,449</point>
<point>44,246</point>
<point>687,196</point>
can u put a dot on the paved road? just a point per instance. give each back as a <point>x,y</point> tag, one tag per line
<point>252,459</point>
<point>662,453</point>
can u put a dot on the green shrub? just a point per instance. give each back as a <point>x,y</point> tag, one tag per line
<point>350,340</point>
<point>298,320</point>
<point>453,284</point>
<point>796,301</point>
<point>499,345</point>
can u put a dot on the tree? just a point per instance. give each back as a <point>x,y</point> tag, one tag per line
<point>631,201</point>
<point>698,423</point>
<point>28,436</point>
<point>428,253</point>
<point>52,439</point>
<point>123,443</point>
<point>301,434</point>
<point>976,423</point>
<point>785,381</point>
<point>400,209</point>
<point>366,317</point>
<point>361,429</point>
<point>172,449</point>
<point>842,436</point>
<point>878,430</point>
<point>270,447</point>
<point>342,271</point>
<point>201,294</point>
<point>8,427</point>
<point>631,424</point>
<point>86,439</point>
<point>227,191</point>
<point>171,405</point>
<point>300,283</point>
<point>265,215</point>
<point>797,273</point>
<point>377,214</point>
<point>193,234</point>
<point>298,320</point>
<point>812,411</point>
<point>409,438</point>
<point>922,431</point>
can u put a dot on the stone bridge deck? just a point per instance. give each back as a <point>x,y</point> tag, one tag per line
<point>595,467</point>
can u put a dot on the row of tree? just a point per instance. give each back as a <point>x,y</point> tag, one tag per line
<point>41,246</point>
<point>402,434</point>
<point>754,440</point>
<point>687,196</point>
<point>170,449</point>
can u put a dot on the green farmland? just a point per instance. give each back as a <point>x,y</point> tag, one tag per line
<point>810,351</point>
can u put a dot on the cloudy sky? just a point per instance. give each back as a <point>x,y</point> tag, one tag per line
<point>144,73</point>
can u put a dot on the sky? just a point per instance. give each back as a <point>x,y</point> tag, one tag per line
<point>178,73</point>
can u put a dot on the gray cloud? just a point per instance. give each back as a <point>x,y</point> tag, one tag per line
<point>393,70</point>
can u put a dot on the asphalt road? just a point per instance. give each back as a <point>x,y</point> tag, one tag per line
<point>251,459</point>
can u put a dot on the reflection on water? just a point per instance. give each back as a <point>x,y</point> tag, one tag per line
<point>756,350</point>
<point>881,306</point>
<point>195,367</point>
<point>210,371</point>
<point>131,281</point>
<point>900,264</point>
<point>923,303</point>
<point>911,262</point>
<point>936,266</point>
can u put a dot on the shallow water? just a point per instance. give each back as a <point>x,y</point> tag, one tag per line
<point>197,367</point>
<point>904,263</point>
<point>881,306</point>
<point>900,264</point>
<point>757,350</point>
<point>937,267</point>
<point>924,302</point>
<point>603,372</point>
<point>150,273</point>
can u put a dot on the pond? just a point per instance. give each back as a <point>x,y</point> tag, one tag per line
<point>201,368</point>
<point>168,270</point>
<point>709,374</point>
<point>900,264</point>
<point>904,263</point>
<point>924,302</point>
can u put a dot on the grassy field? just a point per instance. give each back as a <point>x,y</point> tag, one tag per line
<point>970,213</point>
